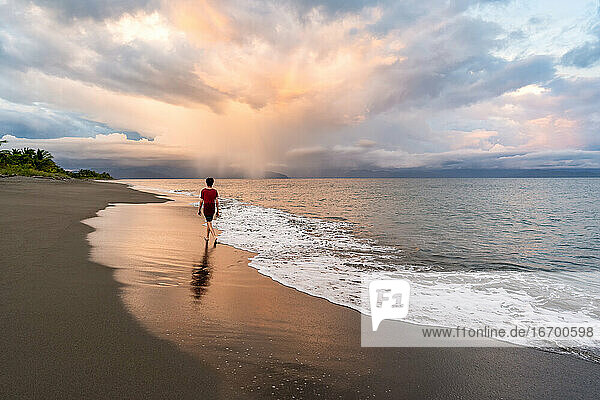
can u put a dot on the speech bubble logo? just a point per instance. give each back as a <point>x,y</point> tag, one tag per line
<point>389,300</point>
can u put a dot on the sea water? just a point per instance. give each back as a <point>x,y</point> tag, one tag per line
<point>477,252</point>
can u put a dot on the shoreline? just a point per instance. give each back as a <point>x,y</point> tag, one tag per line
<point>410,327</point>
<point>66,318</point>
<point>276,336</point>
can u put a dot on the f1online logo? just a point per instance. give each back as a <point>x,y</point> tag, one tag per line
<point>389,300</point>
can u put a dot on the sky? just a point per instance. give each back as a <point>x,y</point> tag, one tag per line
<point>304,88</point>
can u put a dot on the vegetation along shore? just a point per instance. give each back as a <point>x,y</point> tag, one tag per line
<point>30,162</point>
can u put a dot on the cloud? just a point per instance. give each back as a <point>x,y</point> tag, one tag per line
<point>307,86</point>
<point>311,58</point>
<point>137,158</point>
<point>38,121</point>
<point>450,65</point>
<point>115,147</point>
<point>588,53</point>
<point>127,158</point>
<point>583,56</point>
<point>117,55</point>
<point>496,157</point>
<point>365,143</point>
<point>330,6</point>
<point>97,9</point>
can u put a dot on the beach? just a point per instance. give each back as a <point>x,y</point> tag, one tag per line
<point>65,333</point>
<point>213,328</point>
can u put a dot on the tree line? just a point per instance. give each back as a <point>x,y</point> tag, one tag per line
<point>28,161</point>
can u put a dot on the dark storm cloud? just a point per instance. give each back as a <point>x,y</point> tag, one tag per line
<point>587,54</point>
<point>92,56</point>
<point>168,76</point>
<point>164,169</point>
<point>38,122</point>
<point>520,159</point>
<point>337,161</point>
<point>330,6</point>
<point>452,66</point>
<point>396,10</point>
<point>449,65</point>
<point>501,77</point>
<point>403,14</point>
<point>583,56</point>
<point>446,61</point>
<point>97,9</point>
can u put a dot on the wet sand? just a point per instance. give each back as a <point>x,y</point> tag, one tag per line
<point>179,319</point>
<point>65,331</point>
<point>270,341</point>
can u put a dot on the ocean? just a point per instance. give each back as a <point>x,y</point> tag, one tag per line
<point>477,252</point>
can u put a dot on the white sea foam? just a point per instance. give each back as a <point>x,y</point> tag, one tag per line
<point>323,258</point>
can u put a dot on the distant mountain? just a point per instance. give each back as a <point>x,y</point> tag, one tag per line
<point>168,171</point>
<point>274,175</point>
<point>183,170</point>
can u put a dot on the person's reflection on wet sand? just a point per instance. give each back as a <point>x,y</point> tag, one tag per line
<point>201,275</point>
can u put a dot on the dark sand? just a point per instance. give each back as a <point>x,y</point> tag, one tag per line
<point>66,331</point>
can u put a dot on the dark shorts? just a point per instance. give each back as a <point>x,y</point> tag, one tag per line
<point>209,212</point>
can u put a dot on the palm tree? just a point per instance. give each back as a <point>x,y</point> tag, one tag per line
<point>22,156</point>
<point>3,154</point>
<point>17,157</point>
<point>28,156</point>
<point>43,160</point>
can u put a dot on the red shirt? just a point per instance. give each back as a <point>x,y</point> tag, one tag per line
<point>209,195</point>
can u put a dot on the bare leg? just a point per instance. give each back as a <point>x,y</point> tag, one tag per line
<point>210,228</point>
<point>207,231</point>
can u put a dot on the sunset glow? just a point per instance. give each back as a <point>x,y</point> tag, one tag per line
<point>231,86</point>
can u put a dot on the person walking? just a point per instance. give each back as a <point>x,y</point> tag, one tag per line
<point>209,204</point>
